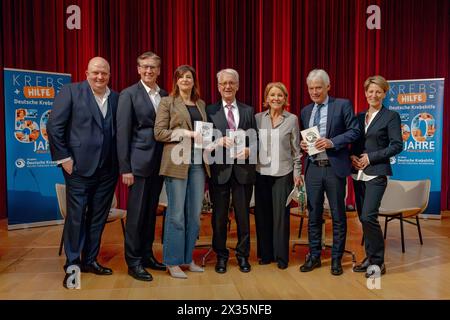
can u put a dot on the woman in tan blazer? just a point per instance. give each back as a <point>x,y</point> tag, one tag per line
<point>183,169</point>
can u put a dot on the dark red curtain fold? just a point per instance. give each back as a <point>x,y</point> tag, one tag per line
<point>265,40</point>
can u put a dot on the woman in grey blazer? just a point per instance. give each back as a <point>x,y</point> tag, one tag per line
<point>278,169</point>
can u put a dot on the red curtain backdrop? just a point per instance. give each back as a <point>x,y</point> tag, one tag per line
<point>270,40</point>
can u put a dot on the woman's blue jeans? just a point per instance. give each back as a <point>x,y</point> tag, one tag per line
<point>182,223</point>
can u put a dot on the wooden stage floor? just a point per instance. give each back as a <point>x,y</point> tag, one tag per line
<point>30,268</point>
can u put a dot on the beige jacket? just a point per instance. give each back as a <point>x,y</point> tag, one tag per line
<point>172,115</point>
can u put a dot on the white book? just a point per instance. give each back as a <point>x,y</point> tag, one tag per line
<point>206,131</point>
<point>238,138</point>
<point>311,135</point>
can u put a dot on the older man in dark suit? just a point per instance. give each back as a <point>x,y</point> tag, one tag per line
<point>327,171</point>
<point>139,160</point>
<point>233,176</point>
<point>82,136</point>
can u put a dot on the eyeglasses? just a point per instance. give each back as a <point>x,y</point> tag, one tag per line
<point>148,67</point>
<point>229,83</point>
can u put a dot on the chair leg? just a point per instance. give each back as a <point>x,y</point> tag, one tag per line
<point>300,228</point>
<point>402,234</point>
<point>123,227</point>
<point>163,224</point>
<point>205,257</point>
<point>385,227</point>
<point>61,244</point>
<point>418,229</point>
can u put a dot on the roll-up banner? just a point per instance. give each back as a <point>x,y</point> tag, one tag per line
<point>420,104</point>
<point>31,174</point>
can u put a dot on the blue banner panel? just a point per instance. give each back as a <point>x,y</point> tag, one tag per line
<point>420,104</point>
<point>31,174</point>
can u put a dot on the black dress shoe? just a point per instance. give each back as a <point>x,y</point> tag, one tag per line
<point>221,265</point>
<point>154,264</point>
<point>382,271</point>
<point>362,267</point>
<point>336,267</point>
<point>96,268</point>
<point>310,264</point>
<point>282,266</point>
<point>139,273</point>
<point>244,266</point>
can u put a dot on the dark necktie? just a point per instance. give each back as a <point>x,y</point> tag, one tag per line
<point>316,121</point>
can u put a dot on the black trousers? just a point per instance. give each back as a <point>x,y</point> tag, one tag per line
<point>143,198</point>
<point>220,197</point>
<point>320,180</point>
<point>88,202</point>
<point>272,217</point>
<point>368,195</point>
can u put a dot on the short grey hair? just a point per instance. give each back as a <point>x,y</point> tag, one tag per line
<point>230,71</point>
<point>318,74</point>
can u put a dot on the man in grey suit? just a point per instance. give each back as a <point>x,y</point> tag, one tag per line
<point>139,159</point>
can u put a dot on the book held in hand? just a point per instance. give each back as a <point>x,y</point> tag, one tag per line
<point>238,138</point>
<point>311,135</point>
<point>206,131</point>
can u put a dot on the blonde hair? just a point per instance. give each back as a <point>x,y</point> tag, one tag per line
<point>379,81</point>
<point>278,85</point>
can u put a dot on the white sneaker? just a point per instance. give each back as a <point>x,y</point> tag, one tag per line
<point>195,268</point>
<point>176,272</point>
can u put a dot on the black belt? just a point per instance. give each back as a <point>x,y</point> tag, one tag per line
<point>322,163</point>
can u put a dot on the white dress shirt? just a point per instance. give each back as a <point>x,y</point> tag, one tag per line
<point>102,102</point>
<point>361,176</point>
<point>153,95</point>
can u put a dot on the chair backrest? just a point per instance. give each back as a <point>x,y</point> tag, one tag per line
<point>114,202</point>
<point>62,203</point>
<point>252,200</point>
<point>61,196</point>
<point>404,195</point>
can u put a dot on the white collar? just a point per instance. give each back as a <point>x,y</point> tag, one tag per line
<point>325,102</point>
<point>234,104</point>
<point>105,96</point>
<point>150,90</point>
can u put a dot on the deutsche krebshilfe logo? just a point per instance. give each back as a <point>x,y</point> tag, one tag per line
<point>20,163</point>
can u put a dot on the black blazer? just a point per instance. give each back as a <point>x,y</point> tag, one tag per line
<point>137,150</point>
<point>382,141</point>
<point>244,173</point>
<point>342,129</point>
<point>75,127</point>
